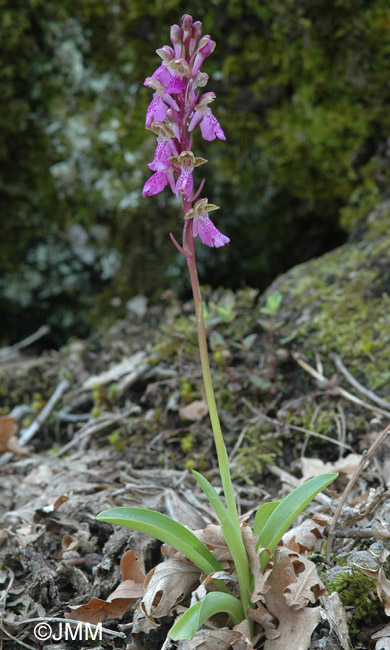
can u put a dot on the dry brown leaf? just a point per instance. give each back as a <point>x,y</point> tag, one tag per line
<point>335,613</point>
<point>213,538</point>
<point>315,466</point>
<point>194,411</point>
<point>166,585</point>
<point>8,439</point>
<point>262,616</point>
<point>126,594</point>
<point>384,638</point>
<point>245,642</point>
<point>383,644</point>
<point>259,578</point>
<point>211,640</point>
<point>303,538</point>
<point>308,587</point>
<point>383,583</point>
<point>295,626</point>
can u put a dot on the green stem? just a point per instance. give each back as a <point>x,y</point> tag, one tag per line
<point>234,537</point>
<point>223,460</point>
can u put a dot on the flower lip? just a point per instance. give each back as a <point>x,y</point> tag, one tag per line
<point>208,233</point>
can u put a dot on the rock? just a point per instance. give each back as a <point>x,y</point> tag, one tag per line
<point>340,303</point>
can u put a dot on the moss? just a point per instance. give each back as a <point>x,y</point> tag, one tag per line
<point>358,591</point>
<point>29,383</point>
<point>340,303</point>
<point>258,449</point>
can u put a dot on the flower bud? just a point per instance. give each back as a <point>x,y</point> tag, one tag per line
<point>166,53</point>
<point>205,48</point>
<point>197,29</point>
<point>186,26</point>
<point>206,45</point>
<point>201,80</point>
<point>176,39</point>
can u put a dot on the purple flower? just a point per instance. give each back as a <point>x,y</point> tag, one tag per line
<point>163,75</point>
<point>160,161</point>
<point>156,183</point>
<point>173,83</point>
<point>210,128</point>
<point>157,110</point>
<point>185,182</point>
<point>206,47</point>
<point>203,226</point>
<point>209,125</point>
<point>209,234</point>
<point>186,161</point>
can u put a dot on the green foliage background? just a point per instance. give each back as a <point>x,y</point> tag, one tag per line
<point>302,94</point>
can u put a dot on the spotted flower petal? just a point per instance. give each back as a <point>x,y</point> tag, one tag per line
<point>210,127</point>
<point>155,184</point>
<point>208,233</point>
<point>157,110</point>
<point>185,182</point>
<point>160,161</point>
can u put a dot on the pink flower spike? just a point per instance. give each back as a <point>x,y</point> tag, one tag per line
<point>208,233</point>
<point>210,127</point>
<point>155,184</point>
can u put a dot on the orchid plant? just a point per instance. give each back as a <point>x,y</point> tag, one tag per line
<point>176,110</point>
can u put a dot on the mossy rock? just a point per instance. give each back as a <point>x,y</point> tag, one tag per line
<point>340,303</point>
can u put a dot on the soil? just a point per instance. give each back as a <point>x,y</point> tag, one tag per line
<point>130,424</point>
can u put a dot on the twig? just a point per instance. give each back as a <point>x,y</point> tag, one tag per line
<point>366,456</point>
<point>42,331</point>
<point>53,619</point>
<point>238,443</point>
<point>315,434</point>
<point>27,434</point>
<point>5,593</point>
<point>337,389</point>
<point>22,643</point>
<point>360,533</point>
<point>354,382</point>
<point>91,428</point>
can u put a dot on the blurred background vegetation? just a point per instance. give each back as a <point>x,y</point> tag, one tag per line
<point>302,95</point>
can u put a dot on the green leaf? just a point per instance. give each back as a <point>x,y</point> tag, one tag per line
<point>165,529</point>
<point>217,340</point>
<point>263,514</point>
<point>273,304</point>
<point>249,340</point>
<point>232,536</point>
<point>288,509</point>
<point>213,603</point>
<point>215,500</point>
<point>259,382</point>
